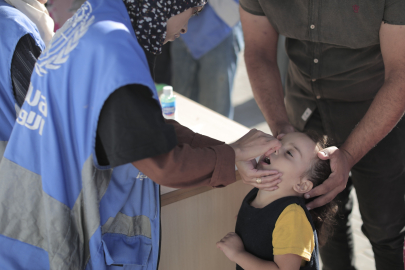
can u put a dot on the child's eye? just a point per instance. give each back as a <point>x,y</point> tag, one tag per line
<point>289,153</point>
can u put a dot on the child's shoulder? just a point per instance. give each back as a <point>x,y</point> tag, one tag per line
<point>294,214</point>
<point>293,210</point>
<point>293,233</point>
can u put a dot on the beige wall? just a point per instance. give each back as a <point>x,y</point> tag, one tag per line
<point>191,228</point>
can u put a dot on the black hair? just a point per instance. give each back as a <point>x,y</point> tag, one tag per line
<point>323,216</point>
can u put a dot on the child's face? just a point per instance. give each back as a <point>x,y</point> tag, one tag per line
<point>293,158</point>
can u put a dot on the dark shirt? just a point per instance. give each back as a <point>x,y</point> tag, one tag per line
<point>255,227</point>
<point>25,56</point>
<point>131,127</point>
<point>335,58</point>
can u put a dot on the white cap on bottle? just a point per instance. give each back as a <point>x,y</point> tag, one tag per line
<point>168,90</point>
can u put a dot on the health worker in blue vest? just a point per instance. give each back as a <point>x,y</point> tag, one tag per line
<point>26,26</point>
<point>76,189</point>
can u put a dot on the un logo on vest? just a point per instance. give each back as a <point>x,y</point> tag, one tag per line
<point>65,40</point>
<point>34,119</point>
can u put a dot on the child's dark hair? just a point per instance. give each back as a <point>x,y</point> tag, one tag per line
<point>324,216</point>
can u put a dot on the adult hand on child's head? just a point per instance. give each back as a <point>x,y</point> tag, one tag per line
<point>256,143</point>
<point>231,245</point>
<point>340,162</point>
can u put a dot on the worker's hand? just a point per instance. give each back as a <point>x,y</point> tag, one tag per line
<point>255,143</point>
<point>340,162</point>
<point>262,179</point>
<point>231,245</point>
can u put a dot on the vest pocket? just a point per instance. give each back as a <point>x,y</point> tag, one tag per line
<point>123,250</point>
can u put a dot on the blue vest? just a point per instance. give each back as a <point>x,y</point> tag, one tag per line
<point>14,25</point>
<point>205,32</point>
<point>60,209</point>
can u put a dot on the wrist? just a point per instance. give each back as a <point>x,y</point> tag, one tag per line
<point>237,151</point>
<point>238,256</point>
<point>351,160</point>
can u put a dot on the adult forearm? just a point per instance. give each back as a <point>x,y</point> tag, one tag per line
<point>186,167</point>
<point>265,80</point>
<point>384,113</point>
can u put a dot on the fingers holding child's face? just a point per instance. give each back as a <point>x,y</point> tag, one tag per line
<point>261,179</point>
<point>268,182</point>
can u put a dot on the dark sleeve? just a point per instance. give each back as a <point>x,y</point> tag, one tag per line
<point>25,56</point>
<point>394,12</point>
<point>131,127</point>
<point>252,7</point>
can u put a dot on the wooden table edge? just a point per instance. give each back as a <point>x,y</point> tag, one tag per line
<point>181,194</point>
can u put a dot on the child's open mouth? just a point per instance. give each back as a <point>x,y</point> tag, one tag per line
<point>267,160</point>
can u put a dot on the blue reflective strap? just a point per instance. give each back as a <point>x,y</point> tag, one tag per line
<point>31,257</point>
